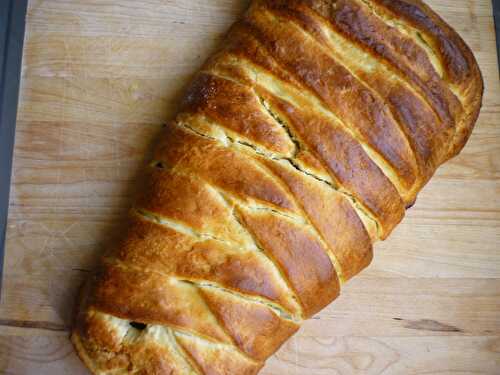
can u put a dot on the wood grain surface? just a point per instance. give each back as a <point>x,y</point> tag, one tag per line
<point>100,77</point>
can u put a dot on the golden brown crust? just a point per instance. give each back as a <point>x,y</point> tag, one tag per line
<point>344,233</point>
<point>360,22</point>
<point>183,150</point>
<point>165,193</point>
<point>341,154</point>
<point>300,256</point>
<point>249,324</point>
<point>236,108</point>
<point>300,143</point>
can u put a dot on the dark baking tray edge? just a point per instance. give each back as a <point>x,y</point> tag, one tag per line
<point>12,26</point>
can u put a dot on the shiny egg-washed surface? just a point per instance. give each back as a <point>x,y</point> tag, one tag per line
<point>299,144</point>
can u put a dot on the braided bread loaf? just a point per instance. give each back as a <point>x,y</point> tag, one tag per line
<point>298,145</point>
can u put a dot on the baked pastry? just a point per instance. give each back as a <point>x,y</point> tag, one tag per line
<point>299,144</point>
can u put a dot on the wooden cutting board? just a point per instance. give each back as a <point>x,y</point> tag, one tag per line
<point>100,77</point>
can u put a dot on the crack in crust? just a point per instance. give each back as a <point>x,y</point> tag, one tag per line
<point>299,144</point>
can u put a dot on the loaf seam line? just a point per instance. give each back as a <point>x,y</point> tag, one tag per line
<point>368,150</point>
<point>314,102</point>
<point>351,198</point>
<point>298,148</point>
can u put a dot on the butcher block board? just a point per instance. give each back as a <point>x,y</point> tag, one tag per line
<point>99,79</point>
